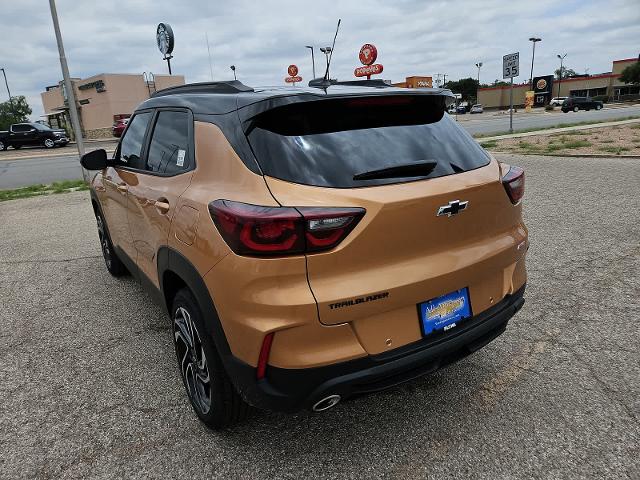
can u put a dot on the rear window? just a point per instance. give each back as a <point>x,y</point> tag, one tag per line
<point>328,142</point>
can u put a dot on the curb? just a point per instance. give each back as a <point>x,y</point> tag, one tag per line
<point>574,155</point>
<point>557,130</point>
<point>30,157</point>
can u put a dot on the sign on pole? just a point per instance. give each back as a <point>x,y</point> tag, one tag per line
<point>293,77</point>
<point>510,69</point>
<point>511,65</point>
<point>368,54</point>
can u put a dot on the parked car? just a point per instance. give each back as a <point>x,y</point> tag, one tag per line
<point>288,285</point>
<point>119,127</point>
<point>31,134</point>
<point>557,101</point>
<point>452,108</point>
<point>477,108</point>
<point>581,103</point>
<point>461,109</point>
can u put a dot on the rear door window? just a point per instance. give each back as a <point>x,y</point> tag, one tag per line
<point>133,141</point>
<point>169,147</point>
<point>329,142</point>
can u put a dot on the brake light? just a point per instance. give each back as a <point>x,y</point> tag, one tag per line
<point>262,231</point>
<point>513,183</point>
<point>261,370</point>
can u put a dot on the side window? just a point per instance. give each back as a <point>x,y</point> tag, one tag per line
<point>131,146</point>
<point>169,147</point>
<point>21,127</point>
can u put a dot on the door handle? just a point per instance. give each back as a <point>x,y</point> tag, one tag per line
<point>162,205</point>
<point>122,188</point>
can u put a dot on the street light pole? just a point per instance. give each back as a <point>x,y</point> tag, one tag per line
<point>313,60</point>
<point>534,40</point>
<point>233,69</point>
<point>71,96</point>
<point>6,83</point>
<point>479,65</point>
<point>561,57</point>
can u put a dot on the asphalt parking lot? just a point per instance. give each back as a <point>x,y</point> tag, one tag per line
<point>89,385</point>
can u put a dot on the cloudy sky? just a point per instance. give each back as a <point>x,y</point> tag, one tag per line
<point>413,37</point>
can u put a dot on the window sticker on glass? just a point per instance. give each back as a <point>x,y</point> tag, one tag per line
<point>180,159</point>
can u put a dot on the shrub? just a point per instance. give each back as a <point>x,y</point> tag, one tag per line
<point>601,98</point>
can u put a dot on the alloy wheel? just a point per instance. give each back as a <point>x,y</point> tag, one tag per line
<point>104,241</point>
<point>192,360</point>
<point>49,143</point>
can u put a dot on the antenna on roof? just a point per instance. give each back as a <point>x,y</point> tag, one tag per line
<point>333,46</point>
<point>328,51</point>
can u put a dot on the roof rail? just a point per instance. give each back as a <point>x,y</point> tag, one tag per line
<point>231,86</point>
<point>322,83</point>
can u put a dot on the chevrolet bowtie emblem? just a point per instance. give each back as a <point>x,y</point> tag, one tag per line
<point>454,207</point>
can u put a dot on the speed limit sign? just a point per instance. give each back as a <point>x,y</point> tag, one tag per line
<point>511,65</point>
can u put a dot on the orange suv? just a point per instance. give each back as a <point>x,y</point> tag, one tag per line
<point>311,244</point>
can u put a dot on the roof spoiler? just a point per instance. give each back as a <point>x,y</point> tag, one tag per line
<point>231,86</point>
<point>322,83</point>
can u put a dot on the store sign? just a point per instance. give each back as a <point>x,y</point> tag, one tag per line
<point>368,54</point>
<point>98,85</point>
<point>293,77</point>
<point>368,70</point>
<point>164,38</point>
<point>543,90</point>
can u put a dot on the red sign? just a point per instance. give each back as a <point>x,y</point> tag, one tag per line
<point>368,70</point>
<point>368,54</point>
<point>293,79</point>
<point>292,70</point>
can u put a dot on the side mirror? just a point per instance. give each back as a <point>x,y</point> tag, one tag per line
<point>95,160</point>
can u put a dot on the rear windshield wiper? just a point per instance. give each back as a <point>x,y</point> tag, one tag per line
<point>419,169</point>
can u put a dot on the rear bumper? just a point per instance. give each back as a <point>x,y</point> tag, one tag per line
<point>289,390</point>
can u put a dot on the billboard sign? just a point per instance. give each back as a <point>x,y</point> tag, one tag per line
<point>293,77</point>
<point>368,54</point>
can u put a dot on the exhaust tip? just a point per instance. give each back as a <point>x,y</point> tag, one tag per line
<point>326,403</point>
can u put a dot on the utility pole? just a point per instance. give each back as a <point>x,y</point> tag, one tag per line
<point>209,52</point>
<point>233,69</point>
<point>6,83</point>
<point>533,56</point>
<point>71,97</point>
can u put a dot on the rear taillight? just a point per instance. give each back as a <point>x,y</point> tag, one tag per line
<point>263,231</point>
<point>513,183</point>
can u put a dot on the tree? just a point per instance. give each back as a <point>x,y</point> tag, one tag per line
<point>631,74</point>
<point>468,87</point>
<point>15,110</point>
<point>566,72</point>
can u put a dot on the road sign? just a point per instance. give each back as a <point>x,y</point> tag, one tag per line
<point>511,65</point>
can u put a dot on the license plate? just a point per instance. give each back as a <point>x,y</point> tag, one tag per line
<point>444,312</point>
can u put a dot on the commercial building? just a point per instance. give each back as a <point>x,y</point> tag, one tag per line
<point>103,99</point>
<point>415,82</point>
<point>606,85</point>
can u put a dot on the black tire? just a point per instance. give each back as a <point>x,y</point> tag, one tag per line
<point>598,107</point>
<point>17,147</point>
<point>3,146</point>
<point>575,109</point>
<point>48,143</point>
<point>210,391</point>
<point>111,260</point>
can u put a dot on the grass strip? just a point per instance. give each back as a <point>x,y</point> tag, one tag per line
<point>64,186</point>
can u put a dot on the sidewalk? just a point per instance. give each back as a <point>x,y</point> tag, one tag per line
<point>550,131</point>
